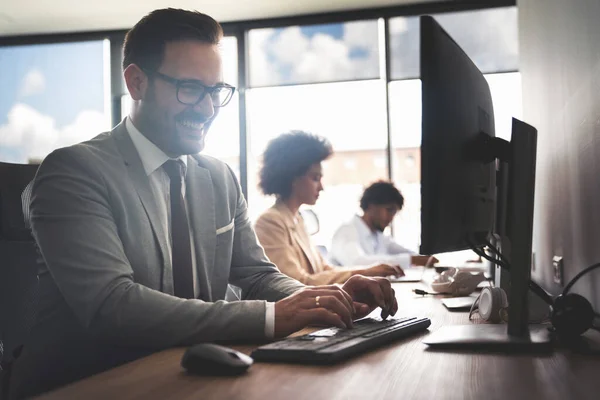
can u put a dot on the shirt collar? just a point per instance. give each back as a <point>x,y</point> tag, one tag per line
<point>152,157</point>
<point>363,228</point>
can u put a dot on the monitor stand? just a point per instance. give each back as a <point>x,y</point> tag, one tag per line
<point>489,337</point>
<point>514,225</point>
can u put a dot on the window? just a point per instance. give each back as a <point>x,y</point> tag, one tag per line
<point>350,114</point>
<point>405,116</point>
<point>344,102</point>
<point>489,37</point>
<point>223,140</point>
<point>53,95</point>
<point>316,53</point>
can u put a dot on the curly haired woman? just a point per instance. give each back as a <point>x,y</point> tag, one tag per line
<point>292,172</point>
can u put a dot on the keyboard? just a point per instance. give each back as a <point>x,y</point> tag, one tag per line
<point>332,345</point>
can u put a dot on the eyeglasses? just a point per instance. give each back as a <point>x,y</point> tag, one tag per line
<point>191,91</point>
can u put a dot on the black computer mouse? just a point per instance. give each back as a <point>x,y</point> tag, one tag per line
<point>212,359</point>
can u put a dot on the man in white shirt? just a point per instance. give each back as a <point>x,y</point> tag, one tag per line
<point>361,241</point>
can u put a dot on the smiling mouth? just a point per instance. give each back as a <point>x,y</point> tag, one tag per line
<point>191,124</point>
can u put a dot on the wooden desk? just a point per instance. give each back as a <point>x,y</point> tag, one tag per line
<point>403,370</point>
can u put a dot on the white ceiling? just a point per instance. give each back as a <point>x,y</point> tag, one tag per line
<point>21,17</point>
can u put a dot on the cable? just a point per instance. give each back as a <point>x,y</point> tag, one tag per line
<point>423,292</point>
<point>503,263</point>
<point>495,250</point>
<point>487,257</point>
<point>481,253</point>
<point>579,275</point>
<point>566,289</point>
<point>535,288</point>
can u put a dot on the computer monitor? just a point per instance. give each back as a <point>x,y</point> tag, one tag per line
<point>462,204</point>
<point>458,195</point>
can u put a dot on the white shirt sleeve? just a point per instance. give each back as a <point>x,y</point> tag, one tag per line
<point>270,321</point>
<point>347,250</point>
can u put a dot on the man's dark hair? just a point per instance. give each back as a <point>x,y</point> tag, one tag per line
<point>289,156</point>
<point>145,43</point>
<point>379,193</point>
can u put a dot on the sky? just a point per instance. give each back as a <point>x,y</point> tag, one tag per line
<point>52,95</point>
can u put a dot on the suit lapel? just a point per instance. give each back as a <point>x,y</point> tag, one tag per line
<point>302,239</point>
<point>141,183</point>
<point>299,234</point>
<point>201,210</point>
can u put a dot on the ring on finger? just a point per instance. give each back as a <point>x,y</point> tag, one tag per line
<point>317,301</point>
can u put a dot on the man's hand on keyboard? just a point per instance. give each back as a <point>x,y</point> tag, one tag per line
<point>370,293</point>
<point>323,305</point>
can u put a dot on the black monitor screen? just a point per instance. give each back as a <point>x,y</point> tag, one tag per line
<point>457,189</point>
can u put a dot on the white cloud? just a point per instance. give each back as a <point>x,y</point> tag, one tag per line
<point>489,37</point>
<point>398,26</point>
<point>290,46</point>
<point>292,56</point>
<point>26,127</point>
<point>87,124</point>
<point>262,71</point>
<point>33,135</point>
<point>327,59</point>
<point>361,34</point>
<point>34,82</point>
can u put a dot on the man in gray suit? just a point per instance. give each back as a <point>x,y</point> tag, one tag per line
<point>140,235</point>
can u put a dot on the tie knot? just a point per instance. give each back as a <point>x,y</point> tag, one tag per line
<point>174,168</point>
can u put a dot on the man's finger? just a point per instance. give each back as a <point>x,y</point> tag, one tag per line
<point>334,304</point>
<point>341,295</point>
<point>325,317</point>
<point>389,294</point>
<point>330,302</point>
<point>376,292</point>
<point>362,309</point>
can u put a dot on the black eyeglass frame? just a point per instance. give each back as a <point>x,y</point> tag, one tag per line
<point>178,83</point>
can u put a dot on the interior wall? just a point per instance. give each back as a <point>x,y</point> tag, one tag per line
<point>560,67</point>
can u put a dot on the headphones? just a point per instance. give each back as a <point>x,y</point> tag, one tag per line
<point>572,314</point>
<point>456,282</point>
<point>491,304</point>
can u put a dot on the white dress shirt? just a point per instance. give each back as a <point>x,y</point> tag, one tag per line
<point>153,159</point>
<point>354,243</point>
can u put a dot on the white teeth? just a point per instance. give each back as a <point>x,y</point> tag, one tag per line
<point>191,124</point>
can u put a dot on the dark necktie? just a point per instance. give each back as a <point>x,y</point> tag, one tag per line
<point>183,277</point>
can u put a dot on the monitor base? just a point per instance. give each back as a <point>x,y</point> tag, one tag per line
<point>489,337</point>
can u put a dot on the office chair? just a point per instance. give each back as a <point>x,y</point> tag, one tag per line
<point>18,267</point>
<point>311,221</point>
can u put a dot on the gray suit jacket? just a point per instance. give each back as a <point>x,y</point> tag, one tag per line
<point>110,284</point>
